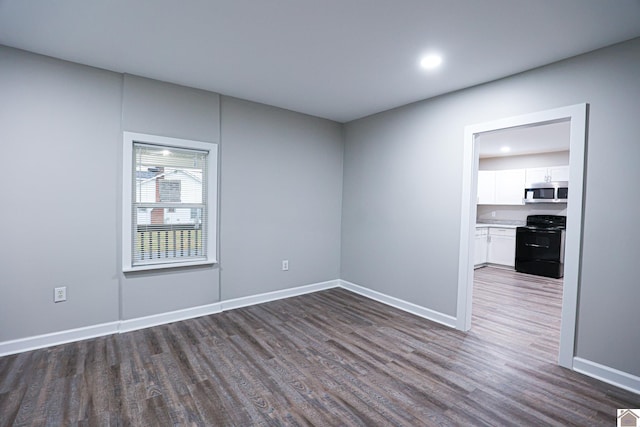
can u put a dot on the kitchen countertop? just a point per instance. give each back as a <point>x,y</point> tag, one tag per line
<point>497,225</point>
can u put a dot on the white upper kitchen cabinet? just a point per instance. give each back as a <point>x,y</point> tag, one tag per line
<point>536,175</point>
<point>503,187</point>
<point>510,187</point>
<point>548,174</point>
<point>486,187</point>
<point>559,173</point>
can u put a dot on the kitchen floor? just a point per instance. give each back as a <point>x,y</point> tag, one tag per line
<point>518,308</point>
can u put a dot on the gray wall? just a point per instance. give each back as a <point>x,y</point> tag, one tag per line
<point>280,199</point>
<point>164,109</point>
<point>61,126</point>
<point>402,185</point>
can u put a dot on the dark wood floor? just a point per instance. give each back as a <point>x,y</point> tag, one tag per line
<point>329,358</point>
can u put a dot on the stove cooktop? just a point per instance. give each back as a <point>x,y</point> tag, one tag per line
<point>547,221</point>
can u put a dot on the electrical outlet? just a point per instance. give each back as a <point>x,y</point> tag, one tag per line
<point>285,265</point>
<point>493,214</point>
<point>60,294</point>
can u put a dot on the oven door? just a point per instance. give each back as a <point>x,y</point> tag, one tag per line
<point>538,243</point>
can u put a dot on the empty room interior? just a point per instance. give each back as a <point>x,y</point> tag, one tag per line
<point>319,213</point>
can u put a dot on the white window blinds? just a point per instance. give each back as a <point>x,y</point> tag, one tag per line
<point>169,205</point>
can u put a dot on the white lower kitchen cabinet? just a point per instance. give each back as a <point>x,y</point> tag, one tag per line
<point>501,246</point>
<point>481,244</point>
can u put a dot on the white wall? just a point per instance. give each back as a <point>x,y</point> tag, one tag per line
<point>516,214</point>
<point>402,185</point>
<point>557,158</point>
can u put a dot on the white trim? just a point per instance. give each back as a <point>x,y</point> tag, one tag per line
<point>158,266</point>
<point>232,304</point>
<point>169,317</point>
<point>409,307</point>
<point>71,335</point>
<point>128,139</point>
<point>606,374</point>
<point>467,222</point>
<point>577,115</point>
<point>573,240</point>
<point>57,338</point>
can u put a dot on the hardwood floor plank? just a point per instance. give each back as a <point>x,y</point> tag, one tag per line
<point>10,403</point>
<point>155,412</point>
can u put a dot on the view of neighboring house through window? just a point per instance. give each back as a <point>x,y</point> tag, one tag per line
<point>169,206</point>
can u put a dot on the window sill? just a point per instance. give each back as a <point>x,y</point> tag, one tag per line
<point>148,267</point>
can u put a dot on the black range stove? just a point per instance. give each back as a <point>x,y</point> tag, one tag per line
<point>540,246</point>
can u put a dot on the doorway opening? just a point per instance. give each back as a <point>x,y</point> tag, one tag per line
<point>509,305</point>
<point>576,116</point>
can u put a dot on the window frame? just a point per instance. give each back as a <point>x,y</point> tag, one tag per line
<point>211,203</point>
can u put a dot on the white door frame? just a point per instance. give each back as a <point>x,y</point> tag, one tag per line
<point>577,115</point>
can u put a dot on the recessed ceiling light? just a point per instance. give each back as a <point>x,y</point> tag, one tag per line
<point>166,152</point>
<point>505,149</point>
<point>431,62</point>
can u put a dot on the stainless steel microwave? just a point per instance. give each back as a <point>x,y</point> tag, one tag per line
<point>547,192</point>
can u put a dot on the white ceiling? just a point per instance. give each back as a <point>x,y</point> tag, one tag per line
<point>522,140</point>
<point>338,59</point>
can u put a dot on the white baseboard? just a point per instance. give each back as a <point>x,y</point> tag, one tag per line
<point>205,310</point>
<point>426,313</point>
<point>172,316</point>
<point>62,337</point>
<point>56,338</point>
<point>276,295</point>
<point>606,374</point>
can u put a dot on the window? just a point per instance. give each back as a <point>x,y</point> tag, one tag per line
<point>169,204</point>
